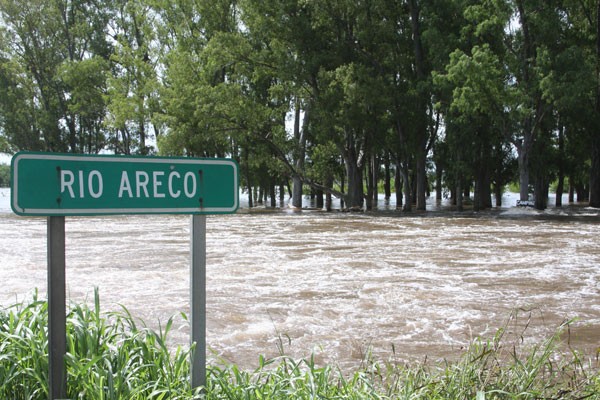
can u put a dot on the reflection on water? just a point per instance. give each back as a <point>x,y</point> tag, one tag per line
<point>335,284</point>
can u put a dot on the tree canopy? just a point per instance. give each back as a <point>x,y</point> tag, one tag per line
<point>327,96</point>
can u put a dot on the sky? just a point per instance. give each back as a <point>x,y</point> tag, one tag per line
<point>4,158</point>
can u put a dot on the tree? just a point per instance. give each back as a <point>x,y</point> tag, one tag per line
<point>52,74</point>
<point>4,175</point>
<point>133,87</point>
<point>595,164</point>
<point>476,107</point>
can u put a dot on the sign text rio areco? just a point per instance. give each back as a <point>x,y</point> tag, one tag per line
<point>64,184</point>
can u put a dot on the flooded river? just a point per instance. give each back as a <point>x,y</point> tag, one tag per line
<point>332,284</point>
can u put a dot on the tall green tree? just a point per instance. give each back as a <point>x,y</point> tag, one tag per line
<point>595,164</point>
<point>474,95</point>
<point>53,67</point>
<point>133,87</point>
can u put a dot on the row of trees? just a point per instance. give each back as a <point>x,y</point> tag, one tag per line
<point>332,95</point>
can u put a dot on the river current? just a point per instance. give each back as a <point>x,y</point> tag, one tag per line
<point>336,285</point>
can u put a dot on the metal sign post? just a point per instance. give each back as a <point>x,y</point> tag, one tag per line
<point>57,185</point>
<point>57,335</point>
<point>198,299</point>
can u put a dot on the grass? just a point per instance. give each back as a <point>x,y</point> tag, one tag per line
<point>110,356</point>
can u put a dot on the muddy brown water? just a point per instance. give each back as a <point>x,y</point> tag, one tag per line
<point>335,285</point>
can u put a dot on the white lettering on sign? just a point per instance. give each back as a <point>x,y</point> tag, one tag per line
<point>95,184</point>
<point>81,187</point>
<point>67,178</point>
<point>141,182</point>
<point>156,183</point>
<point>100,184</point>
<point>170,185</point>
<point>125,185</point>
<point>173,182</point>
<point>189,193</point>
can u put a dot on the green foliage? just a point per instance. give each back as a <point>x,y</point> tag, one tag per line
<point>4,175</point>
<point>225,78</point>
<point>108,357</point>
<point>111,357</point>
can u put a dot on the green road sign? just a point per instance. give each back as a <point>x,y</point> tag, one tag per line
<point>52,184</point>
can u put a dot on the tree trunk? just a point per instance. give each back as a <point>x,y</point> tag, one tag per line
<point>421,180</point>
<point>387,178</point>
<point>296,192</point>
<point>498,195</point>
<point>595,167</point>
<point>561,168</point>
<point>523,159</point>
<point>273,194</point>
<point>583,192</point>
<point>142,127</point>
<point>421,128</point>
<point>248,177</point>
<point>438,181</point>
<point>319,195</point>
<point>407,189</point>
<point>370,185</point>
<point>595,172</point>
<point>342,188</point>
<point>398,187</point>
<point>571,190</point>
<point>328,197</point>
<point>459,195</point>
<point>375,177</point>
<point>261,195</point>
<point>355,195</point>
<point>541,191</point>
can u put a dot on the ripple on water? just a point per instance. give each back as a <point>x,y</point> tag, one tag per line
<point>336,284</point>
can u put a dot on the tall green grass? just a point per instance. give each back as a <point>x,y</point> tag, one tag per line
<point>111,356</point>
<point>108,357</point>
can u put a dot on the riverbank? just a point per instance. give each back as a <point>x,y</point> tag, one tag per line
<point>114,356</point>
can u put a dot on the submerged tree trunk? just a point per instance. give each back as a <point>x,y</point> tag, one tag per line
<point>438,181</point>
<point>370,186</point>
<point>459,194</point>
<point>541,192</point>
<point>355,195</point>
<point>372,179</point>
<point>273,194</point>
<point>407,207</point>
<point>561,168</point>
<point>328,197</point>
<point>398,187</point>
<point>595,167</point>
<point>498,195</point>
<point>523,159</point>
<point>421,128</point>
<point>421,181</point>
<point>387,187</point>
<point>248,177</point>
<point>571,190</point>
<point>481,196</point>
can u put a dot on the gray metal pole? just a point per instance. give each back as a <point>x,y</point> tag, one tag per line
<point>57,330</point>
<point>198,299</point>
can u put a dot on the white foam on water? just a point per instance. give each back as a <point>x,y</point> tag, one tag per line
<point>337,284</point>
